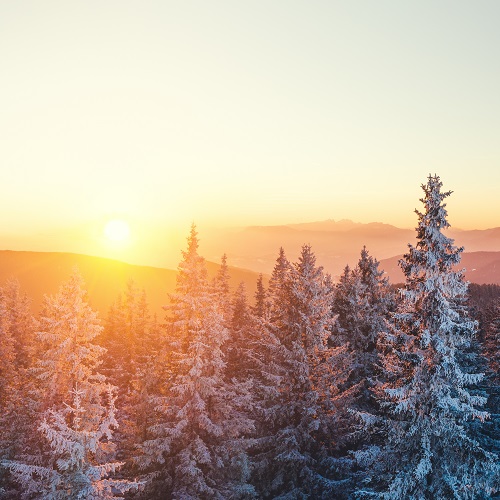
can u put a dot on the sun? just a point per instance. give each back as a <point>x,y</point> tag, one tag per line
<point>117,230</point>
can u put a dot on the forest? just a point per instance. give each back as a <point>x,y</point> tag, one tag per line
<point>310,389</point>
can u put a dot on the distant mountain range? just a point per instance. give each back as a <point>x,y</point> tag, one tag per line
<point>481,267</point>
<point>337,243</point>
<point>250,250</point>
<point>42,273</point>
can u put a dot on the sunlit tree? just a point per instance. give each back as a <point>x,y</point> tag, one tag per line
<point>18,347</point>
<point>259,308</point>
<point>132,363</point>
<point>80,414</point>
<point>362,302</point>
<point>193,440</point>
<point>8,381</point>
<point>429,452</point>
<point>300,318</point>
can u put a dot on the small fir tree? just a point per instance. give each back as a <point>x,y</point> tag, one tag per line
<point>259,309</point>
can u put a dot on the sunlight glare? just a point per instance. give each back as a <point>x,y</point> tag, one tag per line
<point>117,230</point>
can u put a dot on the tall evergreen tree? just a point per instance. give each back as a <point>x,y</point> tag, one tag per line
<point>199,423</point>
<point>79,431</point>
<point>241,330</point>
<point>362,302</point>
<point>8,381</point>
<point>255,367</point>
<point>22,324</point>
<point>491,340</point>
<point>221,282</point>
<point>78,468</point>
<point>133,343</point>
<point>126,335</point>
<point>259,308</point>
<point>300,317</point>
<point>484,303</point>
<point>19,350</point>
<point>278,296</point>
<point>430,454</point>
<point>68,327</point>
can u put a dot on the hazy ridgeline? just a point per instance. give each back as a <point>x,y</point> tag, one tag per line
<point>307,387</point>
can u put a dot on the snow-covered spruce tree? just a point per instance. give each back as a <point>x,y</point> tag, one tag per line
<point>362,302</point>
<point>79,453</point>
<point>129,338</point>
<point>22,324</point>
<point>69,356</point>
<point>300,318</point>
<point>429,453</point>
<point>198,423</point>
<point>491,340</point>
<point>378,295</point>
<point>251,372</point>
<point>484,304</point>
<point>278,296</point>
<point>260,299</point>
<point>242,329</point>
<point>78,430</point>
<point>114,339</point>
<point>18,407</point>
<point>8,381</point>
<point>251,356</point>
<point>18,346</point>
<point>221,290</point>
<point>492,355</point>
<point>255,365</point>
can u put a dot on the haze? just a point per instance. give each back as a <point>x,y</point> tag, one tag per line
<point>236,113</point>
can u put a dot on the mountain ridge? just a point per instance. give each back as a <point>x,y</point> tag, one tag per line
<point>41,273</point>
<point>335,243</point>
<point>482,268</point>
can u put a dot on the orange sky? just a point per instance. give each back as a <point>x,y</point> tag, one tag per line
<point>233,113</point>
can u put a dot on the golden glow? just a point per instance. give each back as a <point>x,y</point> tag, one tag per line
<point>199,122</point>
<point>117,230</point>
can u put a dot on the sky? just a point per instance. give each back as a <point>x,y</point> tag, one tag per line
<point>231,113</point>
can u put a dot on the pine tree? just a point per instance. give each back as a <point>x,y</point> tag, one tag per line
<point>68,327</point>
<point>19,354</point>
<point>488,354</point>
<point>193,440</point>
<point>78,431</point>
<point>8,381</point>
<point>362,301</point>
<point>429,453</point>
<point>279,296</point>
<point>77,470</point>
<point>132,346</point>
<point>126,334</point>
<point>491,341</point>
<point>21,323</point>
<point>484,355</point>
<point>259,308</point>
<point>255,369</point>
<point>221,282</point>
<point>300,319</point>
<point>241,330</point>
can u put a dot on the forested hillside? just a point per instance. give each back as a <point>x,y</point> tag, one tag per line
<point>303,388</point>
